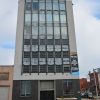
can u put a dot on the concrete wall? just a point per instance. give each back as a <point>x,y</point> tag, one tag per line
<point>9,82</point>
<point>19,40</point>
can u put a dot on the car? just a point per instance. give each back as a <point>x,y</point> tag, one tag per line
<point>90,95</point>
<point>87,95</point>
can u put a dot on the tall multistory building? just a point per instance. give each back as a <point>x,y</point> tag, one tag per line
<point>46,66</point>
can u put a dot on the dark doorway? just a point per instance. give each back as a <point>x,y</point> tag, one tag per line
<point>47,95</point>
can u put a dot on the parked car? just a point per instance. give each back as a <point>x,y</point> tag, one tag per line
<point>86,95</point>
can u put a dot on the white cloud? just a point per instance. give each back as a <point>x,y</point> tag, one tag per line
<point>88,35</point>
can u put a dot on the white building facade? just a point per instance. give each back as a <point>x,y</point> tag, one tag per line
<point>46,65</point>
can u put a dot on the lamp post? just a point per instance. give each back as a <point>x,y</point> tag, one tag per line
<point>95,83</point>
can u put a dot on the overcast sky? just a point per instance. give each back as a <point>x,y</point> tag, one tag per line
<point>87,25</point>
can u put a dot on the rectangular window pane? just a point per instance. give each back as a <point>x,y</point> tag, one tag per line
<point>62,6</point>
<point>50,61</point>
<point>65,54</point>
<point>28,0</point>
<point>42,61</point>
<point>42,55</point>
<point>57,47</point>
<point>49,17</point>
<point>42,30</point>
<point>51,68</point>
<point>34,61</point>
<point>35,41</point>
<point>42,48</point>
<point>34,48</point>
<point>50,41</point>
<point>35,54</point>
<point>28,7</point>
<point>65,41</point>
<point>34,69</point>
<point>48,6</point>
<point>50,55</point>
<point>26,69</point>
<point>26,41</point>
<point>42,41</point>
<point>57,42</point>
<point>25,89</point>
<point>63,17</point>
<point>43,68</point>
<point>34,17</point>
<point>58,61</point>
<point>49,47</point>
<point>64,32</point>
<point>26,54</point>
<point>34,30</point>
<point>57,32</point>
<point>42,6</point>
<point>26,61</point>
<point>27,29</point>
<point>35,5</point>
<point>65,48</point>
<point>58,54</point>
<point>27,19</point>
<point>42,17</point>
<point>49,32</point>
<point>68,87</point>
<point>55,5</point>
<point>66,61</point>
<point>56,17</point>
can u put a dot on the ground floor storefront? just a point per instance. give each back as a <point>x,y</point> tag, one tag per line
<point>44,89</point>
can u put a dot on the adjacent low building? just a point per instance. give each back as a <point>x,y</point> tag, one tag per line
<point>6,76</point>
<point>94,81</point>
<point>83,84</point>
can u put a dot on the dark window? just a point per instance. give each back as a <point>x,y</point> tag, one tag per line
<point>25,88</point>
<point>28,7</point>
<point>26,69</point>
<point>26,54</point>
<point>35,54</point>
<point>64,41</point>
<point>51,69</point>
<point>57,41</point>
<point>42,54</point>
<point>35,41</point>
<point>26,41</point>
<point>50,41</point>
<point>65,54</point>
<point>58,69</point>
<point>34,69</point>
<point>58,54</point>
<point>50,54</point>
<point>4,76</point>
<point>67,69</point>
<point>35,5</point>
<point>67,86</point>
<point>42,41</point>
<point>43,68</point>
